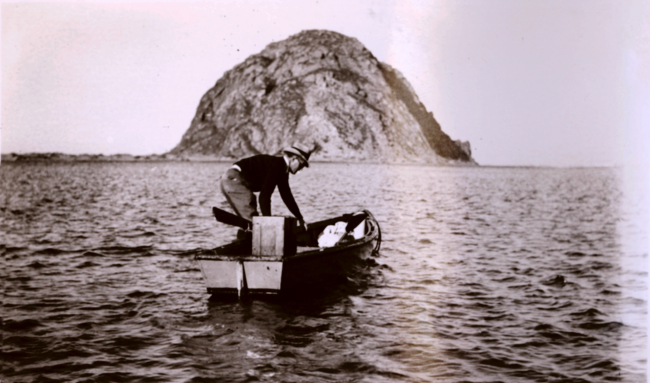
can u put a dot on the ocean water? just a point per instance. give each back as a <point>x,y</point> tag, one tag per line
<point>484,275</point>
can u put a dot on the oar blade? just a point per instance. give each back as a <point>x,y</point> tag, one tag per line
<point>229,218</point>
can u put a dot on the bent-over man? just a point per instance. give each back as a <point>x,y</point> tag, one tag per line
<point>262,173</point>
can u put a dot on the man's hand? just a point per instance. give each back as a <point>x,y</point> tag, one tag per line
<point>302,224</point>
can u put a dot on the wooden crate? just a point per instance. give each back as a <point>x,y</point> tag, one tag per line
<point>274,236</point>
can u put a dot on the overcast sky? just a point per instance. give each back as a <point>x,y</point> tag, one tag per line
<point>559,83</point>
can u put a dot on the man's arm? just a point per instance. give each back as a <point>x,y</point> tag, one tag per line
<point>268,186</point>
<point>287,198</point>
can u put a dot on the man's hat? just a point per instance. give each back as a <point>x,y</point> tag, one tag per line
<point>301,151</point>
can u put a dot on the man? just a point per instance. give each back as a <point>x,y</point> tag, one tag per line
<point>262,173</point>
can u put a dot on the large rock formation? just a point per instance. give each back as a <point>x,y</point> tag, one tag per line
<point>323,87</point>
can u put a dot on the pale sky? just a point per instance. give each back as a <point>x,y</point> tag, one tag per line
<point>545,83</point>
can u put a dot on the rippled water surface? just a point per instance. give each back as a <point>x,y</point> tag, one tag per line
<point>484,275</point>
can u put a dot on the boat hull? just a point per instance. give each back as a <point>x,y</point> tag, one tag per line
<point>316,271</point>
<point>232,269</point>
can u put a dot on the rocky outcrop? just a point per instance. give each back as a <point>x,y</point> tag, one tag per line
<point>323,87</point>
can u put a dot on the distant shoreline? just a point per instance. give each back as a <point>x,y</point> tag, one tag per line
<point>62,157</point>
<point>57,157</point>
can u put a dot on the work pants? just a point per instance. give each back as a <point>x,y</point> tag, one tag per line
<point>239,195</point>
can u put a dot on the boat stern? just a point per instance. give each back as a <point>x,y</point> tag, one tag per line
<point>235,275</point>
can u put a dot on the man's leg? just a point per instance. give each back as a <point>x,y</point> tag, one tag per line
<point>239,196</point>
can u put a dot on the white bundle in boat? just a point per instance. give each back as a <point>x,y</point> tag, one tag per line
<point>332,234</point>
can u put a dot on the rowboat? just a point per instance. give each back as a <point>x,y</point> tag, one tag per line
<point>310,262</point>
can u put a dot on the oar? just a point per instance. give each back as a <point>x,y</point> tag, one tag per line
<point>229,218</point>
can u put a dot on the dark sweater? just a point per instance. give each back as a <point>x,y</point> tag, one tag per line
<point>263,173</point>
